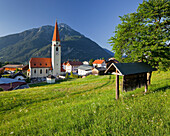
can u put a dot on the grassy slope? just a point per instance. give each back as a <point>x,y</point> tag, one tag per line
<point>87,107</point>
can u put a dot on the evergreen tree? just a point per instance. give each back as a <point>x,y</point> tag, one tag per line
<point>144,35</point>
<point>91,62</point>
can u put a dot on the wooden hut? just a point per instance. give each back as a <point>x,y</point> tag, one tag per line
<point>135,75</point>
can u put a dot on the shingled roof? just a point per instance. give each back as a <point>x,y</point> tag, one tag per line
<point>98,61</point>
<point>40,63</point>
<point>85,67</point>
<point>131,68</point>
<point>75,63</point>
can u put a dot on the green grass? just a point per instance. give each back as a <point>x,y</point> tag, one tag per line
<point>87,107</point>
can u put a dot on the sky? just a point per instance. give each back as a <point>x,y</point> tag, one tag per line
<point>96,19</point>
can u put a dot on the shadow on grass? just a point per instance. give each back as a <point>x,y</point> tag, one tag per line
<point>95,87</point>
<point>44,83</point>
<point>161,88</point>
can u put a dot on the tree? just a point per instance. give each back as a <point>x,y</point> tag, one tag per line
<point>16,71</point>
<point>91,62</point>
<point>67,76</point>
<point>144,35</point>
<point>71,74</point>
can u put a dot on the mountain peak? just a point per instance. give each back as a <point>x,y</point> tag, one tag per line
<point>62,25</point>
<point>36,42</point>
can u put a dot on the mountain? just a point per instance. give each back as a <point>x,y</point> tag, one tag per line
<point>109,52</point>
<point>36,42</point>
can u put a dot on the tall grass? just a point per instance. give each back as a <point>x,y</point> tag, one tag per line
<point>87,107</point>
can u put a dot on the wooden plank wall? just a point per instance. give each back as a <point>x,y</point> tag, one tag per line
<point>131,82</point>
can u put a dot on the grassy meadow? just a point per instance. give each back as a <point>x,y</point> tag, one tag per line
<point>87,107</point>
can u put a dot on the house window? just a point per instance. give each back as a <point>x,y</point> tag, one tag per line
<point>40,64</point>
<point>34,71</point>
<point>40,71</point>
<point>56,48</point>
<point>46,71</point>
<point>46,64</point>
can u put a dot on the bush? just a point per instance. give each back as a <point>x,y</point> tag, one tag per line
<point>1,89</point>
<point>28,80</point>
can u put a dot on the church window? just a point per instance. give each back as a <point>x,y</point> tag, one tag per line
<point>56,48</point>
<point>35,71</point>
<point>40,71</point>
<point>46,71</point>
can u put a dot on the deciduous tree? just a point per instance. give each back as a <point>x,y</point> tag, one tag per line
<point>144,35</point>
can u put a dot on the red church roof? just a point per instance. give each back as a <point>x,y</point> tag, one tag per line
<point>56,36</point>
<point>40,63</point>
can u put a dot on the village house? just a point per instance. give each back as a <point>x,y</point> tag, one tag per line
<point>64,65</point>
<point>13,67</point>
<point>99,63</point>
<point>42,67</point>
<point>85,63</point>
<point>110,61</point>
<point>72,66</point>
<point>18,76</point>
<point>8,84</point>
<point>84,70</point>
<point>98,71</point>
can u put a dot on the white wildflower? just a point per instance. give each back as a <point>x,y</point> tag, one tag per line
<point>12,133</point>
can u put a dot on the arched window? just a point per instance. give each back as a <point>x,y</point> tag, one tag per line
<point>40,71</point>
<point>35,71</point>
<point>46,71</point>
<point>56,48</point>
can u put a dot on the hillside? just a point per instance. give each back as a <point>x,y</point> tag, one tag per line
<point>87,107</point>
<point>37,43</point>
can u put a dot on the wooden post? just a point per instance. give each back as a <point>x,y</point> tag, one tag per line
<point>146,87</point>
<point>122,83</point>
<point>117,86</point>
<point>146,83</point>
<point>149,77</point>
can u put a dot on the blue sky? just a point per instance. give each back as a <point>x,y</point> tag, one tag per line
<point>96,19</point>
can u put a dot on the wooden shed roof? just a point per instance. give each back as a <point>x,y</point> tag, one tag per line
<point>131,68</point>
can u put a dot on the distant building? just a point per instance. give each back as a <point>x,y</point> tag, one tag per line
<point>42,67</point>
<point>8,84</point>
<point>13,67</point>
<point>85,63</point>
<point>110,61</point>
<point>73,66</point>
<point>99,63</point>
<point>64,65</point>
<point>18,76</point>
<point>84,70</point>
<point>98,71</point>
<point>50,79</point>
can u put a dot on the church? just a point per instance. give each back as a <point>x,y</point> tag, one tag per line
<point>42,67</point>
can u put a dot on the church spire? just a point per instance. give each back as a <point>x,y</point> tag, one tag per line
<point>56,36</point>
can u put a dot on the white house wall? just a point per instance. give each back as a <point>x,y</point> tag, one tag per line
<point>83,72</point>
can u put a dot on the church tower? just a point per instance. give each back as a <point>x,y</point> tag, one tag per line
<point>56,52</point>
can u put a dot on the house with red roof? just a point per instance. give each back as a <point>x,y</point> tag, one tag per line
<point>99,63</point>
<point>42,67</point>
